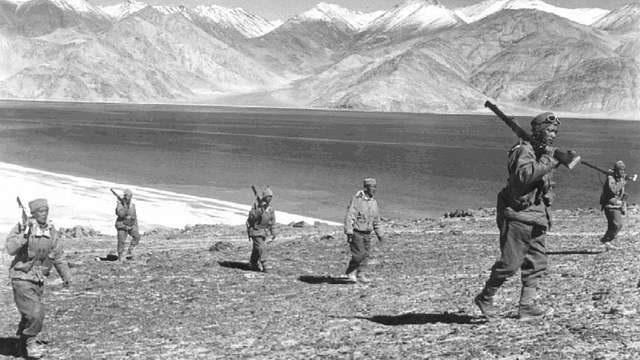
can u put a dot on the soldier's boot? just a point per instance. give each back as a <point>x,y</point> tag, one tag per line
<point>527,309</point>
<point>33,349</point>
<point>485,304</point>
<point>361,278</point>
<point>129,253</point>
<point>264,267</point>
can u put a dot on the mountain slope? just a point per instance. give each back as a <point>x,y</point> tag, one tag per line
<point>123,9</point>
<point>624,19</point>
<point>40,17</point>
<point>249,25</point>
<point>356,20</point>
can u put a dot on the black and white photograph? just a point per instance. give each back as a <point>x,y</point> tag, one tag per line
<point>320,179</point>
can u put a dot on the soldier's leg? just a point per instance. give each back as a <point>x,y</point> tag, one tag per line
<point>257,252</point>
<point>358,252</point>
<point>122,237</point>
<point>534,266</point>
<point>366,241</point>
<point>135,239</point>
<point>264,254</point>
<point>28,299</point>
<point>514,244</point>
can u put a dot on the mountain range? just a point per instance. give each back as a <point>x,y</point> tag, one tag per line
<point>418,56</point>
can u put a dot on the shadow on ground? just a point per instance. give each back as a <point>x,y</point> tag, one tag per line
<point>323,279</point>
<point>575,252</point>
<point>236,265</point>
<point>9,347</point>
<point>421,319</point>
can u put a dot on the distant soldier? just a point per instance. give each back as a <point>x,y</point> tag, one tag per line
<point>362,218</point>
<point>612,201</point>
<point>126,224</point>
<point>36,248</point>
<point>260,224</point>
<point>523,218</point>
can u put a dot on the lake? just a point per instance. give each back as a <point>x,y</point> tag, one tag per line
<point>314,160</point>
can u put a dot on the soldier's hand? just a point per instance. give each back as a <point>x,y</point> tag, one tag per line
<point>349,238</point>
<point>550,150</point>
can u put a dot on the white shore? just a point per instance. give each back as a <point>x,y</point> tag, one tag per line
<point>88,202</point>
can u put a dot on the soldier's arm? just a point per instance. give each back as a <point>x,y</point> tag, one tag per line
<point>377,228</point>
<point>611,184</point>
<point>528,169</point>
<point>57,257</point>
<point>350,217</point>
<point>132,212</point>
<point>273,223</point>
<point>15,240</point>
<point>120,210</point>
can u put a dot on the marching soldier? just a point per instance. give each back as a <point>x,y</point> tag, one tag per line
<point>35,247</point>
<point>126,224</point>
<point>362,218</point>
<point>260,224</point>
<point>612,202</point>
<point>523,218</point>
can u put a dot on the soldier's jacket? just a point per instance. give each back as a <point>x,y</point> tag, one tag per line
<point>35,253</point>
<point>127,217</point>
<point>260,221</point>
<point>362,215</point>
<point>529,188</point>
<point>612,193</point>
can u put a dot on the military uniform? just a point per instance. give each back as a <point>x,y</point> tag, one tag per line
<point>361,220</point>
<point>36,249</point>
<point>127,225</point>
<point>523,220</point>
<point>612,203</point>
<point>260,224</point>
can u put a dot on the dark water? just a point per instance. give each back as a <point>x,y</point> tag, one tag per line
<point>313,160</point>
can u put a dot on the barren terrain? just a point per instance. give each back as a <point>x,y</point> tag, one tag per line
<point>188,295</point>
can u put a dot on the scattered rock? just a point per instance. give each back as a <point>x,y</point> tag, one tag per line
<point>78,232</point>
<point>298,224</point>
<point>327,238</point>
<point>221,246</point>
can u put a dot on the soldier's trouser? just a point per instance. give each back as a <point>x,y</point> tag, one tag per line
<point>28,298</point>
<point>122,237</point>
<point>614,224</point>
<point>522,246</point>
<point>360,246</point>
<point>259,252</point>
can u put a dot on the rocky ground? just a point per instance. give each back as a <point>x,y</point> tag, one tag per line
<point>188,295</point>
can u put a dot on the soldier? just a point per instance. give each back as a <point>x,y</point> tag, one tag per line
<point>612,202</point>
<point>36,247</point>
<point>523,218</point>
<point>260,224</point>
<point>362,218</point>
<point>127,224</point>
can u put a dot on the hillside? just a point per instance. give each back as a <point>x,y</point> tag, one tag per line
<point>188,295</point>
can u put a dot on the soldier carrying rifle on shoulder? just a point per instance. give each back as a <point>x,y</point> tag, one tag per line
<point>613,203</point>
<point>260,223</point>
<point>36,248</point>
<point>522,215</point>
<point>126,223</point>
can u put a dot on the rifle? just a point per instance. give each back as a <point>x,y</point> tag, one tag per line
<point>255,193</point>
<point>25,217</point>
<point>118,196</point>
<point>570,160</point>
<point>633,177</point>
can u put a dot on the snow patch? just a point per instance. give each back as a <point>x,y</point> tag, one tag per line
<point>423,14</point>
<point>124,9</point>
<point>473,13</point>
<point>356,20</point>
<point>247,24</point>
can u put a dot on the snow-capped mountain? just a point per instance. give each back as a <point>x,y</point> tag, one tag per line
<point>330,12</point>
<point>247,24</point>
<point>415,15</point>
<point>81,6</point>
<point>168,10</point>
<point>473,13</point>
<point>624,19</point>
<point>123,9</point>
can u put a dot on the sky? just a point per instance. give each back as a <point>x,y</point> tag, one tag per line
<point>283,9</point>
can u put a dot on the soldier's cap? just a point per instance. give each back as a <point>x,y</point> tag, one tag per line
<point>267,192</point>
<point>619,165</point>
<point>369,182</point>
<point>128,193</point>
<point>544,120</point>
<point>38,204</point>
